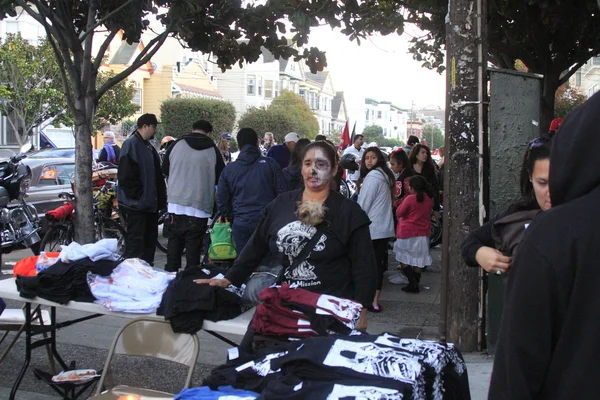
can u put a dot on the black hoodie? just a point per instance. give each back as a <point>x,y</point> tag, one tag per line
<point>549,346</point>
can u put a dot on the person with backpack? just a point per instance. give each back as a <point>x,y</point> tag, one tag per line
<point>111,151</point>
<point>412,232</point>
<point>247,185</point>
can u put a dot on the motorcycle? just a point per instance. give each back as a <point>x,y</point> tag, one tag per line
<point>19,225</point>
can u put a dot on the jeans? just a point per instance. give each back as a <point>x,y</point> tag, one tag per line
<point>241,236</point>
<point>187,233</point>
<point>142,233</point>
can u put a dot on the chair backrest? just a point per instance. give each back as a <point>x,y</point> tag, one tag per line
<point>153,337</point>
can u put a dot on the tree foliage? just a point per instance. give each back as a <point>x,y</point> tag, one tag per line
<point>179,114</point>
<point>433,135</point>
<point>567,99</point>
<point>374,133</point>
<point>287,113</point>
<point>30,85</point>
<point>116,104</point>
<point>550,37</point>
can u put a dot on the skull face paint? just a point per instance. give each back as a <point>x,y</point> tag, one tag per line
<point>316,169</point>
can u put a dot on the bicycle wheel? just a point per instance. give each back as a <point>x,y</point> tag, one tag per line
<point>55,237</point>
<point>109,229</point>
<point>344,189</point>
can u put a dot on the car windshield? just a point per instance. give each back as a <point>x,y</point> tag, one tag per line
<point>53,153</point>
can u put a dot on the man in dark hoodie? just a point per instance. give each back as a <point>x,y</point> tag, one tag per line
<point>141,190</point>
<point>193,165</point>
<point>549,346</point>
<point>247,185</point>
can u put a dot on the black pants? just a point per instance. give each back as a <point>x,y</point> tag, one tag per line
<point>184,233</point>
<point>380,247</point>
<point>142,233</point>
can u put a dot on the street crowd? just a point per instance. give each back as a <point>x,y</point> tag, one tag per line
<point>277,198</point>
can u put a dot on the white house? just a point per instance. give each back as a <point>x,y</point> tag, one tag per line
<point>391,118</point>
<point>319,93</point>
<point>587,78</point>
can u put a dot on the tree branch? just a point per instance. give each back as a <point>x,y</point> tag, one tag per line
<point>103,20</point>
<point>145,55</point>
<point>568,74</point>
<point>87,72</point>
<point>102,49</point>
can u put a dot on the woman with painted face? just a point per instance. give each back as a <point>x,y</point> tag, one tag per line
<point>403,170</point>
<point>339,263</point>
<point>422,164</point>
<point>492,246</point>
<point>376,194</point>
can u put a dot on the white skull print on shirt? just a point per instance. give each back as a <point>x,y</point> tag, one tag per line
<point>291,239</point>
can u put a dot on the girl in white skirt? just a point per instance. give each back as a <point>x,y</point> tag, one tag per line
<point>412,232</point>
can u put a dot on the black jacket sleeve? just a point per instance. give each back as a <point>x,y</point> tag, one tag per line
<point>129,174</point>
<point>529,322</point>
<point>166,164</point>
<point>103,156</point>
<point>363,266</point>
<point>479,238</point>
<point>220,166</point>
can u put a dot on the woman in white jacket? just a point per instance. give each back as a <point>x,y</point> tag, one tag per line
<point>375,198</point>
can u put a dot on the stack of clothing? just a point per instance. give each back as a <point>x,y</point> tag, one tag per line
<point>290,311</point>
<point>63,282</point>
<point>187,304</point>
<point>133,287</point>
<point>358,366</point>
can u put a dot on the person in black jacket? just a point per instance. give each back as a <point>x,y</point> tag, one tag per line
<point>247,185</point>
<point>293,172</point>
<point>141,191</point>
<point>548,346</point>
<point>479,248</point>
<point>422,164</point>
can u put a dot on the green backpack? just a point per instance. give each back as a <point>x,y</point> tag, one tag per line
<point>221,242</point>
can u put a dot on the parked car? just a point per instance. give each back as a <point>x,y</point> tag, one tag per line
<point>52,171</point>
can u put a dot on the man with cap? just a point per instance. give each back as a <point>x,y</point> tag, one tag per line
<point>282,152</point>
<point>357,151</point>
<point>110,152</point>
<point>141,190</point>
<point>193,165</point>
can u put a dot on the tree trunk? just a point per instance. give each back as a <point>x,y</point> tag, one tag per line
<point>84,223</point>
<point>459,305</point>
<point>551,84</point>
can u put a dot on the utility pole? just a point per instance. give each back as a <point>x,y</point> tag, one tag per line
<point>466,59</point>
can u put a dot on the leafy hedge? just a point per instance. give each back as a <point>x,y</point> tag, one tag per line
<point>287,113</point>
<point>177,115</point>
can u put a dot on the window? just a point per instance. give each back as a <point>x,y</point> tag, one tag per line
<point>268,89</point>
<point>318,98</point>
<point>367,116</point>
<point>137,98</point>
<point>285,84</point>
<point>592,90</point>
<point>293,66</point>
<point>12,27</point>
<point>302,93</point>
<point>378,114</point>
<point>276,89</point>
<point>10,136</point>
<point>596,60</point>
<point>325,108</point>
<point>251,85</point>
<point>260,85</point>
<point>578,78</point>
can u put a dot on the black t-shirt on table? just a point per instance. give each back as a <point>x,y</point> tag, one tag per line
<point>342,262</point>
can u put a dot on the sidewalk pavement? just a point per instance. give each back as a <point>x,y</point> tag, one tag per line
<point>408,315</point>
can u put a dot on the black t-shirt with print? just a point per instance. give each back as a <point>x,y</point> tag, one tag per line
<point>341,263</point>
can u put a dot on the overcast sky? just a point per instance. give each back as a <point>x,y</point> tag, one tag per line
<point>380,68</point>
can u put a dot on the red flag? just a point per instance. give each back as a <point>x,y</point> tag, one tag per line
<point>345,137</point>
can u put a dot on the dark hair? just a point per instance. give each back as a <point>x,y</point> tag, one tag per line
<point>421,186</point>
<point>296,157</point>
<point>320,137</point>
<point>247,136</point>
<point>203,126</point>
<point>429,166</point>
<point>326,147</point>
<point>400,157</point>
<point>412,139</point>
<point>357,136</point>
<point>381,163</point>
<point>538,149</point>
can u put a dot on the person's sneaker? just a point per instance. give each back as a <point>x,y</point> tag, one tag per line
<point>398,279</point>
